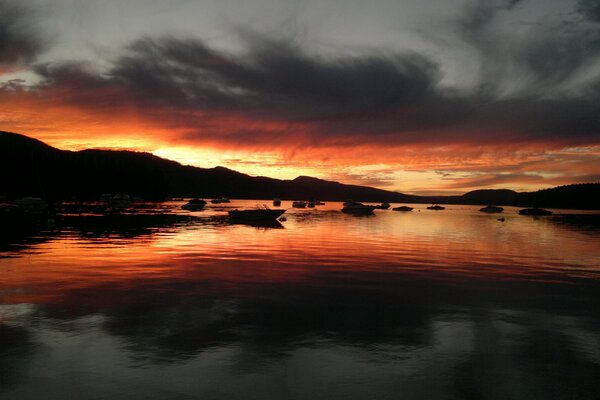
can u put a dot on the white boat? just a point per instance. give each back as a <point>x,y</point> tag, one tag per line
<point>358,208</point>
<point>299,204</point>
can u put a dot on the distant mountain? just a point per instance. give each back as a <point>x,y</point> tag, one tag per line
<point>483,196</point>
<point>29,167</point>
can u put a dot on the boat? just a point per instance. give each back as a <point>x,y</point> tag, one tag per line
<point>115,203</point>
<point>225,200</point>
<point>10,215</point>
<point>220,200</point>
<point>263,213</point>
<point>33,205</point>
<point>257,223</point>
<point>121,201</point>
<point>402,208</point>
<point>491,209</point>
<point>358,208</point>
<point>194,205</point>
<point>534,211</point>
<point>383,206</point>
<point>276,202</point>
<point>436,207</point>
<point>311,204</point>
<point>299,204</point>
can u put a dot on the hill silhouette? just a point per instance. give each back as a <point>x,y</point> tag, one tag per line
<point>29,167</point>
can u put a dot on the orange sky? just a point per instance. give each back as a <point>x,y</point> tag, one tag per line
<point>413,168</point>
<point>468,96</point>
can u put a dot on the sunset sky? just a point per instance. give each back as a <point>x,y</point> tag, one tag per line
<point>417,96</point>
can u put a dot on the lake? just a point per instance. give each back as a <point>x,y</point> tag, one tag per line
<point>168,304</point>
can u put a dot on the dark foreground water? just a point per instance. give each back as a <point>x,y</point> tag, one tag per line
<point>447,304</point>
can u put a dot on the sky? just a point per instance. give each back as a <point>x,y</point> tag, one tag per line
<point>422,97</point>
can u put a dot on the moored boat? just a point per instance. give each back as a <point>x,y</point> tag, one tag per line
<point>10,215</point>
<point>402,208</point>
<point>256,214</point>
<point>33,205</point>
<point>194,205</point>
<point>436,207</point>
<point>299,204</point>
<point>358,208</point>
<point>491,209</point>
<point>276,202</point>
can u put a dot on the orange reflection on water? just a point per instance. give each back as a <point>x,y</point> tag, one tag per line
<point>315,247</point>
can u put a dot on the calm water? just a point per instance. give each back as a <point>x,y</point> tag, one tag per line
<point>423,305</point>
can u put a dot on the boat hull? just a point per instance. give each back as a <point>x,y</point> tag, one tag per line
<point>358,210</point>
<point>436,208</point>
<point>255,215</point>
<point>491,209</point>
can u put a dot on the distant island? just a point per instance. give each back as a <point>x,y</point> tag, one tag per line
<point>30,167</point>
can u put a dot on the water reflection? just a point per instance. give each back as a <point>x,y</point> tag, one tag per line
<point>422,305</point>
<point>579,223</point>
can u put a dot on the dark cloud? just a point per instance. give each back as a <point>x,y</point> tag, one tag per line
<point>389,98</point>
<point>276,91</point>
<point>19,40</point>
<point>590,9</point>
<point>272,77</point>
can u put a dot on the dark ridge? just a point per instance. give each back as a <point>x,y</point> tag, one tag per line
<point>583,196</point>
<point>29,167</point>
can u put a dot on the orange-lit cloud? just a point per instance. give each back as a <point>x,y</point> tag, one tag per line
<point>279,109</point>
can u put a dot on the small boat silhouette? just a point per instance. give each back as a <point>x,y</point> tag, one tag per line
<point>436,207</point>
